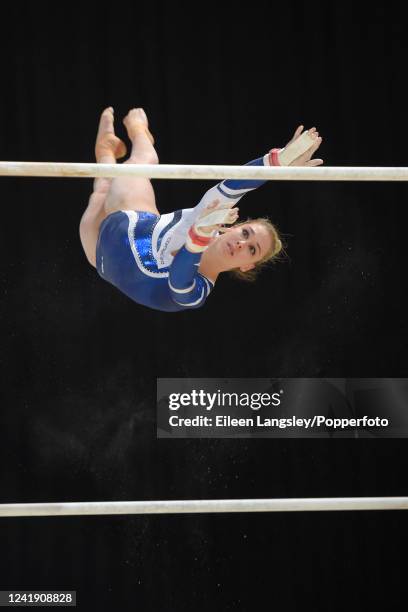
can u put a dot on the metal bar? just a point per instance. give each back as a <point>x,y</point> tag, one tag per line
<point>204,506</point>
<point>202,172</point>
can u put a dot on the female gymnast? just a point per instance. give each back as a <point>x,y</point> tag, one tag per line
<point>171,262</point>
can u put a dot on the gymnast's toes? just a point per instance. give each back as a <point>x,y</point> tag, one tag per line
<point>135,121</point>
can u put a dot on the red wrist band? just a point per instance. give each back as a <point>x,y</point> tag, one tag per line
<point>198,240</point>
<point>273,157</point>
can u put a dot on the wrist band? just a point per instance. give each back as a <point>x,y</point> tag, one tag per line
<point>197,239</point>
<point>273,157</point>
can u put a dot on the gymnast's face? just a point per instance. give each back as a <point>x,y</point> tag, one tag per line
<point>243,245</point>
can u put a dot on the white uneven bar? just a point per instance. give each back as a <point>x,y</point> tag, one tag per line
<point>173,171</point>
<point>205,506</point>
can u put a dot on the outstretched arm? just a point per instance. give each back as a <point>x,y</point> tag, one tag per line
<point>298,152</point>
<point>225,195</point>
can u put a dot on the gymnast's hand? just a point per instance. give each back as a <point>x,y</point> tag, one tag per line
<point>214,216</point>
<point>306,158</point>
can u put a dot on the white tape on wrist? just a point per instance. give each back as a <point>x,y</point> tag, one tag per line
<point>295,149</point>
<point>218,217</point>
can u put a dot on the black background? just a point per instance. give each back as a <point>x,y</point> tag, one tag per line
<point>79,361</point>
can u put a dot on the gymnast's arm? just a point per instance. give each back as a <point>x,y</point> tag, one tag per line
<point>298,152</point>
<point>187,286</point>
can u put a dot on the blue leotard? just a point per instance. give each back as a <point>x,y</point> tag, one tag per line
<point>143,254</point>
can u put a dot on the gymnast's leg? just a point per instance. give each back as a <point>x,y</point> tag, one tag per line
<point>108,148</point>
<point>135,193</point>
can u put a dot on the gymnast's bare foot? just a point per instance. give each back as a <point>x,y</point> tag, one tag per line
<point>107,143</point>
<point>136,121</point>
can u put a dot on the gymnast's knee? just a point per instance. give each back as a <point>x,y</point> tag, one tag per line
<point>143,157</point>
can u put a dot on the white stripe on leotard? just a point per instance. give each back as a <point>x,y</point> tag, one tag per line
<point>192,303</point>
<point>182,290</point>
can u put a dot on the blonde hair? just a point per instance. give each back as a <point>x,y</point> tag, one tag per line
<point>270,256</point>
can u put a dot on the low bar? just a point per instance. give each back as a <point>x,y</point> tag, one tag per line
<point>204,506</point>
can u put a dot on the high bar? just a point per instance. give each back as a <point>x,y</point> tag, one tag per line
<point>203,172</point>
